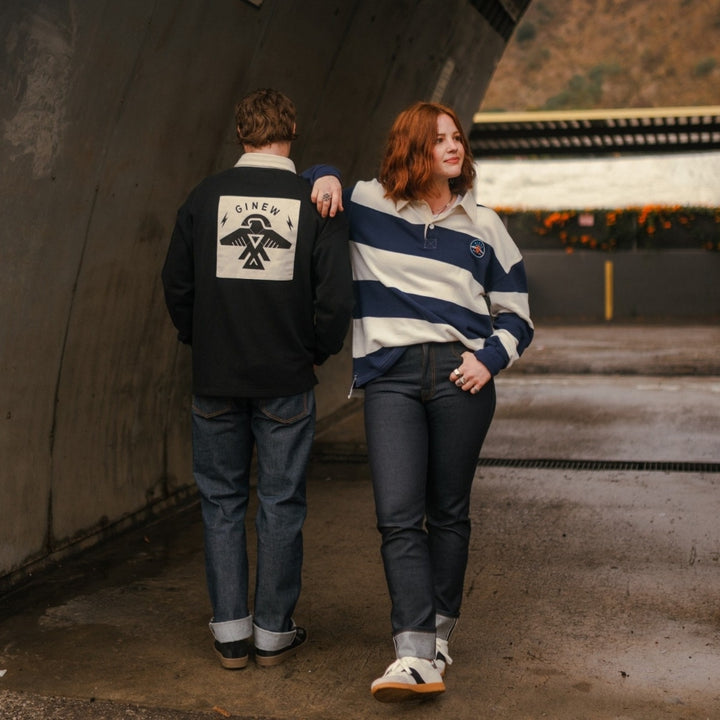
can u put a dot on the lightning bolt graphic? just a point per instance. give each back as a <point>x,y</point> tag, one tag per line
<point>290,223</point>
<point>223,221</point>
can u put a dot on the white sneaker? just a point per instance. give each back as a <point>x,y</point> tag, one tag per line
<point>442,656</point>
<point>408,678</point>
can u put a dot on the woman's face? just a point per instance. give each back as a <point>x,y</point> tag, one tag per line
<point>448,151</point>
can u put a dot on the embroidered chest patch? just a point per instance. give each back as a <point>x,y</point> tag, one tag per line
<point>477,248</point>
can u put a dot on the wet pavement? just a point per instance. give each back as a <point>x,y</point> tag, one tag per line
<point>592,588</point>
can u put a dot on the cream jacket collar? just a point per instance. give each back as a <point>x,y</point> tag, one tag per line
<point>265,160</point>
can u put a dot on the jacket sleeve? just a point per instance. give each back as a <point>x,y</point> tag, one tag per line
<point>178,275</point>
<point>332,279</point>
<point>317,171</point>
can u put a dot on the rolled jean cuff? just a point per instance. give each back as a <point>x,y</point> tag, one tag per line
<point>232,630</point>
<point>270,641</point>
<point>444,625</point>
<point>411,643</point>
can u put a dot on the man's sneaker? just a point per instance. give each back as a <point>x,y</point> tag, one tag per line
<point>233,655</point>
<point>268,658</point>
<point>442,656</point>
<point>408,678</point>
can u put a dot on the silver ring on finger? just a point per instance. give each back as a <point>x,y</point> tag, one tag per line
<point>456,372</point>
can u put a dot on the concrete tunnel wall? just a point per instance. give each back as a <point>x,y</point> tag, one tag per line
<point>111,112</point>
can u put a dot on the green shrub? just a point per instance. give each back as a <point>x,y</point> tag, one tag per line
<point>525,33</point>
<point>704,67</point>
<point>583,90</point>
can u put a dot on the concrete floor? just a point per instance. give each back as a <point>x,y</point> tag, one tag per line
<point>591,593</point>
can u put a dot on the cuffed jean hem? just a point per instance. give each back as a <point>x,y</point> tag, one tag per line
<point>444,626</point>
<point>232,630</point>
<point>411,643</point>
<point>270,641</point>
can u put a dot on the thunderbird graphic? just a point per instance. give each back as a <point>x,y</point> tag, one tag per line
<point>255,234</point>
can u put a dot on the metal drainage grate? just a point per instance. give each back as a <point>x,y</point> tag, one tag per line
<point>358,454</point>
<point>639,465</point>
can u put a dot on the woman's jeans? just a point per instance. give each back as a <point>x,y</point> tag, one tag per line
<point>424,437</point>
<point>225,431</point>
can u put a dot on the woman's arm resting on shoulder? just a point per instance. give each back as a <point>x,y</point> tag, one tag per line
<point>326,188</point>
<point>327,195</point>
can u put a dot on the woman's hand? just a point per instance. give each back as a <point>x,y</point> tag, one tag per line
<point>471,374</point>
<point>327,195</point>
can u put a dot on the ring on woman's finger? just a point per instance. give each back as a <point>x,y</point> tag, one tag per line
<point>474,390</point>
<point>326,197</point>
<point>461,381</point>
<point>456,372</point>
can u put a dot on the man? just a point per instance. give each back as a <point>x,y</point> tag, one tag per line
<point>260,285</point>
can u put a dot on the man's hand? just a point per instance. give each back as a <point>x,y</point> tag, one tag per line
<point>327,195</point>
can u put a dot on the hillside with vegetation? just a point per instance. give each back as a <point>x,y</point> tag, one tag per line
<point>585,54</point>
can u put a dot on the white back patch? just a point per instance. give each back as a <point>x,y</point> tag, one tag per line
<point>256,237</point>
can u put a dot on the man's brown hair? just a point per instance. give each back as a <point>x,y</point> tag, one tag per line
<point>265,116</point>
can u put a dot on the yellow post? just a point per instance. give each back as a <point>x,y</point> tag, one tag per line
<point>608,289</point>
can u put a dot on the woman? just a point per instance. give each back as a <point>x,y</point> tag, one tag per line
<point>441,308</point>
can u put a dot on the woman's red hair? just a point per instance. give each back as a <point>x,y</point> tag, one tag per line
<point>406,170</point>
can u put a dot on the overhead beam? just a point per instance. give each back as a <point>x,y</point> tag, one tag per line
<point>596,132</point>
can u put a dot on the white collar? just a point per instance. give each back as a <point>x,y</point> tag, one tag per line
<point>467,203</point>
<point>265,160</point>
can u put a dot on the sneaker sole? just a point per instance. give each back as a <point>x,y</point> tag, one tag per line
<point>280,656</point>
<point>270,661</point>
<point>232,663</point>
<point>400,692</point>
